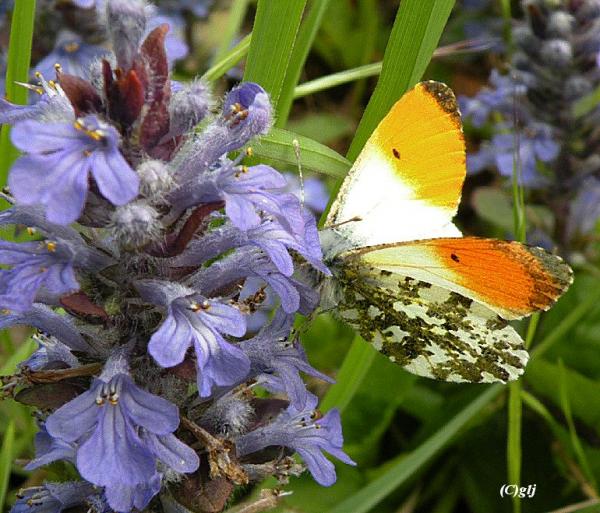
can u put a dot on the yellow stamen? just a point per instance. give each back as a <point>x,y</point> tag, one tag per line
<point>249,151</point>
<point>51,246</point>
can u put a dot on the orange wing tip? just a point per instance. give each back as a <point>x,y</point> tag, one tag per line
<point>558,276</point>
<point>445,98</point>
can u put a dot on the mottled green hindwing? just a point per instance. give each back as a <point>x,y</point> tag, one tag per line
<point>427,329</point>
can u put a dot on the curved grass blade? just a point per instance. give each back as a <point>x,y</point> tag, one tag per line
<point>19,57</point>
<point>350,375</point>
<point>235,19</point>
<point>274,35</point>
<point>415,34</point>
<point>306,36</point>
<point>278,147</point>
<point>401,471</point>
<point>228,60</point>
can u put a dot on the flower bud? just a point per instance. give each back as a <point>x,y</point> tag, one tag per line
<point>577,87</point>
<point>135,224</point>
<point>188,107</point>
<point>560,25</point>
<point>557,53</point>
<point>127,24</point>
<point>525,39</point>
<point>155,179</point>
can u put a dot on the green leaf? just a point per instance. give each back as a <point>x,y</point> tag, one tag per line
<point>416,32</point>
<point>19,57</point>
<point>575,442</point>
<point>404,468</point>
<point>273,37</point>
<point>323,127</point>
<point>6,457</point>
<point>278,147</point>
<point>305,39</point>
<point>582,393</point>
<point>587,104</point>
<point>228,60</point>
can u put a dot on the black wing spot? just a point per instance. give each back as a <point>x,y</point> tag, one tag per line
<point>396,153</point>
<point>454,257</point>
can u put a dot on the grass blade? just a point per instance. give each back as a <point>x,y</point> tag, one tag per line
<point>19,57</point>
<point>351,375</point>
<point>6,457</point>
<point>305,39</point>
<point>228,60</point>
<point>575,442</point>
<point>274,35</point>
<point>278,147</point>
<point>235,19</point>
<point>400,472</point>
<point>416,32</point>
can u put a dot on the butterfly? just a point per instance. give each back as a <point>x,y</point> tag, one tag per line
<point>434,302</point>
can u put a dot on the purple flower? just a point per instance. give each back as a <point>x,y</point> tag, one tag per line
<point>175,46</point>
<point>316,195</point>
<point>535,143</point>
<point>52,497</point>
<point>59,158</point>
<point>51,354</point>
<point>585,209</point>
<point>73,55</point>
<point>48,321</point>
<point>49,449</point>
<point>114,425</point>
<point>294,295</point>
<point>194,320</point>
<point>34,264</point>
<point>246,113</point>
<point>270,236</point>
<point>84,4</point>
<point>272,353</point>
<point>501,97</point>
<point>198,7</point>
<point>52,105</point>
<point>307,433</point>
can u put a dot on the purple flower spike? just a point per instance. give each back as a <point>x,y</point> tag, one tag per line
<point>59,158</point>
<point>307,433</point>
<point>53,497</point>
<point>194,320</point>
<point>272,353</point>
<point>35,264</point>
<point>105,423</point>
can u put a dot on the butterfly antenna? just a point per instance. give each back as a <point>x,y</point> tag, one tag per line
<point>353,220</point>
<point>296,145</point>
